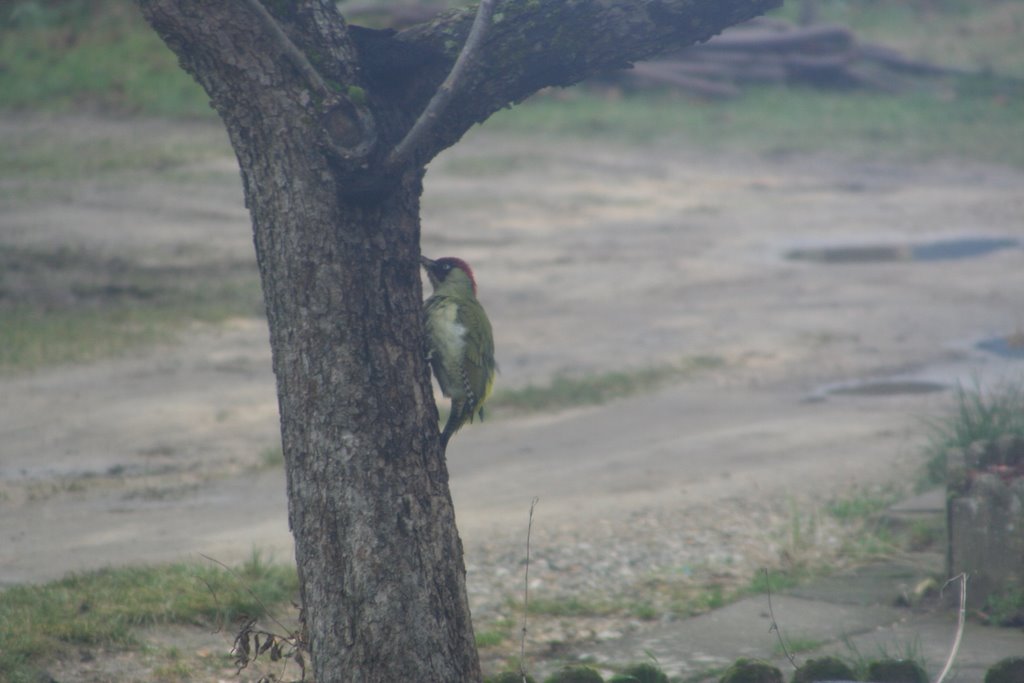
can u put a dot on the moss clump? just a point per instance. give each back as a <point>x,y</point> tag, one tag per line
<point>623,678</point>
<point>751,671</point>
<point>357,95</point>
<point>1009,670</point>
<point>823,669</point>
<point>896,671</point>
<point>576,673</point>
<point>644,672</point>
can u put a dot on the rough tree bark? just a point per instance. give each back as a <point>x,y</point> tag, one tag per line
<point>313,107</point>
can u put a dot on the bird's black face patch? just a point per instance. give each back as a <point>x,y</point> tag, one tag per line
<point>440,269</point>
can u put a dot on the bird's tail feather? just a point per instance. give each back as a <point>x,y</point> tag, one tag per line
<point>455,420</point>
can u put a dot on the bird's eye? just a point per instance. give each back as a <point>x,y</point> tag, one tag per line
<point>447,266</point>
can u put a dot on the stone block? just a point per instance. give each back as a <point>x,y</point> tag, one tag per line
<point>985,515</point>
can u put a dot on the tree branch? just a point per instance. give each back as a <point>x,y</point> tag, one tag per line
<point>312,76</point>
<point>439,102</point>
<point>237,47</point>
<point>541,43</point>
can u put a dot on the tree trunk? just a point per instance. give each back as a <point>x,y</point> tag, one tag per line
<point>312,109</point>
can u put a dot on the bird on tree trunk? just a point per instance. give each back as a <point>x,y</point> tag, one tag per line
<point>460,344</point>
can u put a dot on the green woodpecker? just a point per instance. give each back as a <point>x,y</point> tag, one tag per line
<point>459,341</point>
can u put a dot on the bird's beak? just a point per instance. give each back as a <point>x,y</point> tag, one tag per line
<point>426,263</point>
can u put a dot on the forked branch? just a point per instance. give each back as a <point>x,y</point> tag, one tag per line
<point>424,125</point>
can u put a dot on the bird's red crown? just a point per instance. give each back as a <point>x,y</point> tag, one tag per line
<point>449,262</point>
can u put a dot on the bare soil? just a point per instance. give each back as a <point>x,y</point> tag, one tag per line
<point>591,256</point>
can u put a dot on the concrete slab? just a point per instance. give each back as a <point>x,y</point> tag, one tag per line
<point>850,615</point>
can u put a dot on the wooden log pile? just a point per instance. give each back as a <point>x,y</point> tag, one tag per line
<point>770,51</point>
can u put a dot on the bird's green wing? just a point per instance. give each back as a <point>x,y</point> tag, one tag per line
<point>480,365</point>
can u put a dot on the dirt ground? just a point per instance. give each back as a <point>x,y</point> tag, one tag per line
<point>590,257</point>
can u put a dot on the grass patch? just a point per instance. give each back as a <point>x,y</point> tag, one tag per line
<point>103,608</point>
<point>774,581</point>
<point>101,56</point>
<point>1005,608</point>
<point>868,534</point>
<point>68,306</point>
<point>682,597</point>
<point>31,338</point>
<point>272,458</point>
<point>981,121</point>
<point>565,391</point>
<point>863,665</point>
<point>797,644</point>
<point>862,505</point>
<point>977,416</point>
<point>491,638</point>
<point>80,54</point>
<point>570,606</point>
<point>38,155</point>
<point>976,118</point>
<point>649,600</point>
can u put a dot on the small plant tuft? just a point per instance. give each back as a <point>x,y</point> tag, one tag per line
<point>511,677</point>
<point>824,669</point>
<point>751,671</point>
<point>104,608</point>
<point>897,671</point>
<point>565,391</point>
<point>271,458</point>
<point>1005,608</point>
<point>490,638</point>
<point>978,416</point>
<point>1009,670</point>
<point>575,673</point>
<point>644,672</point>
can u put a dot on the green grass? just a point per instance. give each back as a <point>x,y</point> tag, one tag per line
<point>980,123</point>
<point>70,305</point>
<point>56,153</point>
<point>644,672</point>
<point>101,56</point>
<point>565,391</point>
<point>76,55</point>
<point>1005,608</point>
<point>272,458</point>
<point>32,338</point>
<point>797,644</point>
<point>863,665</point>
<point>774,581</point>
<point>104,608</point>
<point>863,504</point>
<point>491,638</point>
<point>977,416</point>
<point>572,606</point>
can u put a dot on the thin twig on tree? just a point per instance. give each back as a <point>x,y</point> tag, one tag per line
<point>250,591</point>
<point>526,594</point>
<point>961,617</point>
<point>775,624</point>
<point>439,102</point>
<point>293,53</point>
